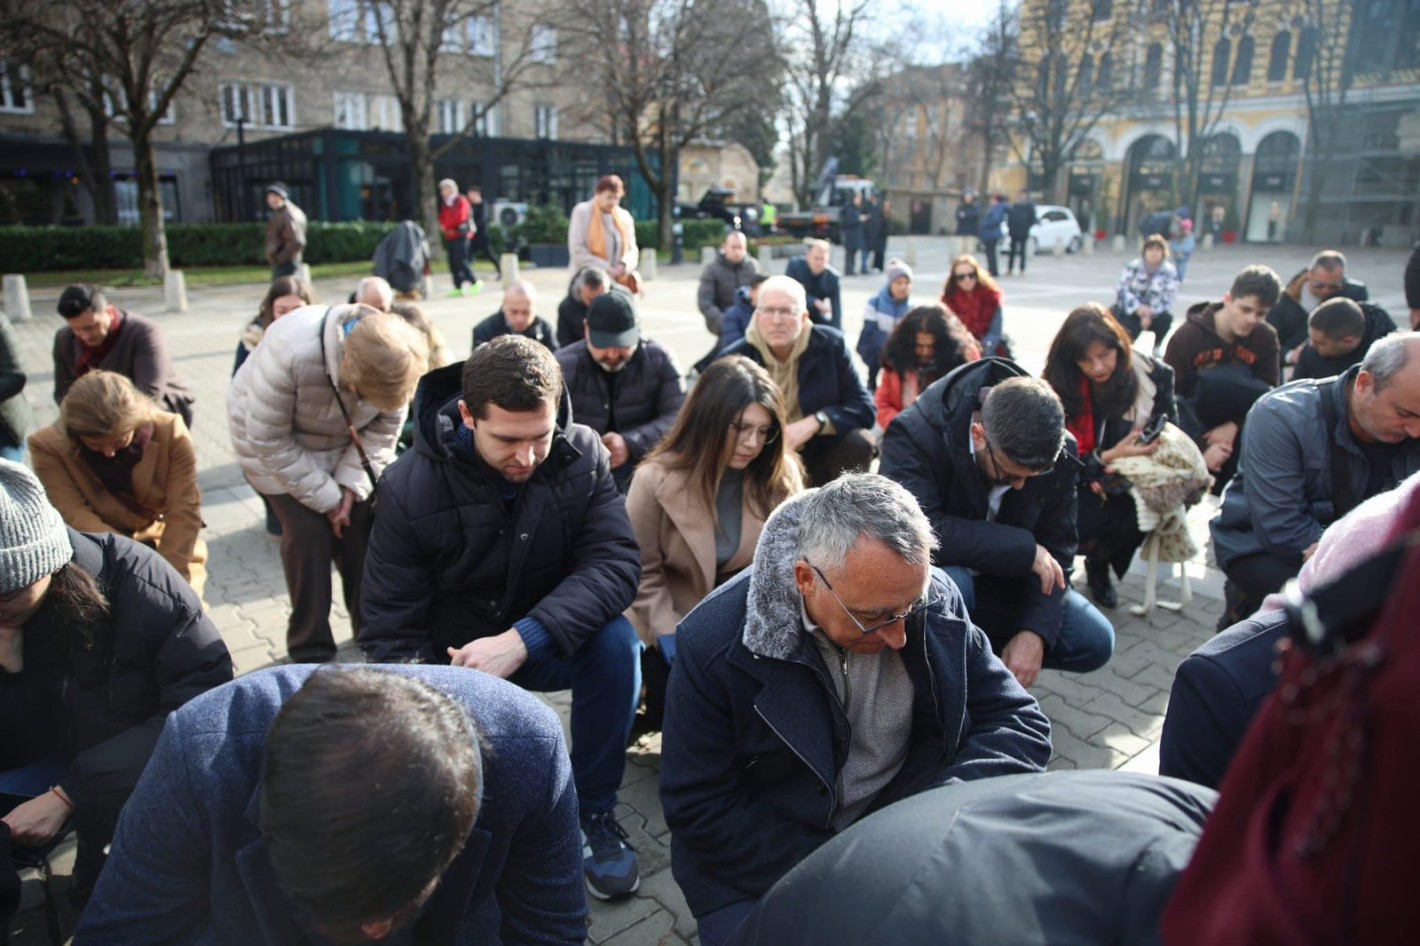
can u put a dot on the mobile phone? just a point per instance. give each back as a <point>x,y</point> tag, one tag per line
<point>1151,431</point>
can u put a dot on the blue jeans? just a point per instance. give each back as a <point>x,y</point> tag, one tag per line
<point>605,679</point>
<point>1086,639</point>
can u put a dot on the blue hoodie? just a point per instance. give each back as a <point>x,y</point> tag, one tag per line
<point>879,319</point>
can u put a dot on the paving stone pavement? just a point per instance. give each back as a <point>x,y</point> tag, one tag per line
<point>1107,719</point>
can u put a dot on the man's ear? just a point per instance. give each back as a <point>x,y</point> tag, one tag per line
<point>803,576</point>
<point>978,435</point>
<point>466,414</point>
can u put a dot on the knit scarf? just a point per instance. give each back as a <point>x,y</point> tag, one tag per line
<point>1083,427</point>
<point>976,309</point>
<point>784,374</point>
<point>596,233</point>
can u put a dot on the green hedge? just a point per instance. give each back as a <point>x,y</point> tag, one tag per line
<point>46,249</point>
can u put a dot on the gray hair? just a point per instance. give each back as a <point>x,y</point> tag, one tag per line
<point>1388,357</point>
<point>1329,260</point>
<point>375,291</point>
<point>862,505</point>
<point>590,276</point>
<point>521,287</point>
<point>1024,420</point>
<point>786,285</point>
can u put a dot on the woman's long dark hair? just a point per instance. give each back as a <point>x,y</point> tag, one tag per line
<point>699,443</point>
<point>76,604</point>
<point>900,353</point>
<point>1083,327</point>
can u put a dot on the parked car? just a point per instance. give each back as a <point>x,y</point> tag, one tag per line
<point>1055,225</point>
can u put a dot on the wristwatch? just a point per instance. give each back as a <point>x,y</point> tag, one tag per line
<point>822,418</point>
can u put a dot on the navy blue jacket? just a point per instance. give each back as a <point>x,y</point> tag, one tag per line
<point>828,381</point>
<point>189,863</point>
<point>540,330</point>
<point>822,286</point>
<point>755,736</point>
<point>1216,693</point>
<point>927,449</point>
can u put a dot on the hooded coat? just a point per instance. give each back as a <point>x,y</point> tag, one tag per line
<point>1288,316</point>
<point>928,450</point>
<point>449,562</point>
<point>755,736</point>
<point>879,319</point>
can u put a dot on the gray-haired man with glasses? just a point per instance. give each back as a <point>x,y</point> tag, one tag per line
<point>836,675</point>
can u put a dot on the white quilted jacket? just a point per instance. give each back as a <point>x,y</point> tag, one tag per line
<point>287,429</point>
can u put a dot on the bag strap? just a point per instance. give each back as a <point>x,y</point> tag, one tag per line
<point>1342,498</point>
<point>340,401</point>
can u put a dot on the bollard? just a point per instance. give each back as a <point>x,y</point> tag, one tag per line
<point>766,258</point>
<point>707,255</point>
<point>647,268</point>
<point>17,298</point>
<point>175,291</point>
<point>508,263</point>
<point>303,273</point>
<point>910,258</point>
<point>1117,244</point>
<point>1207,242</point>
<point>1059,249</point>
<point>1088,246</point>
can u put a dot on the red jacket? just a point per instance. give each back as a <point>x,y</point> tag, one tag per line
<point>456,219</point>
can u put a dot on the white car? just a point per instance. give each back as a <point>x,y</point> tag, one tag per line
<point>1054,225</point>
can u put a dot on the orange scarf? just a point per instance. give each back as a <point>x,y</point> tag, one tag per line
<point>596,234</point>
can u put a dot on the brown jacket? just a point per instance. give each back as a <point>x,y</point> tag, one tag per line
<point>164,486</point>
<point>285,235</point>
<point>677,538</point>
<point>1196,346</point>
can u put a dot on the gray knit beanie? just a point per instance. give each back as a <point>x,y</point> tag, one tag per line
<point>34,542</point>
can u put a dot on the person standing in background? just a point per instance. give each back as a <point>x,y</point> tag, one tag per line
<point>992,225</point>
<point>285,231</point>
<point>456,224</point>
<point>480,244</point>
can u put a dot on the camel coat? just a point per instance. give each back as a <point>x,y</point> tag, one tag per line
<point>164,481</point>
<point>677,538</point>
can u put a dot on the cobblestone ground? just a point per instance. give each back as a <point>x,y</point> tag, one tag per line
<point>1107,719</point>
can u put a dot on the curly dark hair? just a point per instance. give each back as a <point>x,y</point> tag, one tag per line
<point>1083,327</point>
<point>946,329</point>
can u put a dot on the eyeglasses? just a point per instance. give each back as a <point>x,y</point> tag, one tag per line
<point>963,277</point>
<point>927,601</point>
<point>780,313</point>
<point>1008,479</point>
<point>765,435</point>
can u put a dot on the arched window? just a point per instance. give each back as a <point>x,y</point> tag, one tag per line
<point>1277,65</point>
<point>1242,66</point>
<point>1306,53</point>
<point>1105,78</point>
<point>1153,67</point>
<point>1222,52</point>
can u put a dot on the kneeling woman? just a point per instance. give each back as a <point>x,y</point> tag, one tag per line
<point>99,641</point>
<point>927,343</point>
<point>699,501</point>
<point>1110,393</point>
<point>114,462</point>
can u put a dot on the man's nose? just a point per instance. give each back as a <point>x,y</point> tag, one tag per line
<point>895,635</point>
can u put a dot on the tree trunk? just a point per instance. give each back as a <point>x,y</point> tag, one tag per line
<point>101,189</point>
<point>426,194</point>
<point>150,207</point>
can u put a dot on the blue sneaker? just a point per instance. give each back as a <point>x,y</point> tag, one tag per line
<point>608,859</point>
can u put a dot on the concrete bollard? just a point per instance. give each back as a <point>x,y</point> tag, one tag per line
<point>508,263</point>
<point>303,273</point>
<point>707,254</point>
<point>647,267</point>
<point>910,257</point>
<point>17,298</point>
<point>175,291</point>
<point>1207,242</point>
<point>1117,244</point>
<point>1088,246</point>
<point>766,258</point>
<point>1059,249</point>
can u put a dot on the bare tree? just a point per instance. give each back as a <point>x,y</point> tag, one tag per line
<point>924,134</point>
<point>666,72</point>
<point>425,46</point>
<point>1060,92</point>
<point>990,84</point>
<point>1206,38</point>
<point>142,53</point>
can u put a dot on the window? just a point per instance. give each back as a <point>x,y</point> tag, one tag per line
<point>350,111</point>
<point>358,21</point>
<point>545,120</point>
<point>362,111</point>
<point>473,35</point>
<point>125,195</point>
<point>1242,66</point>
<point>450,116</point>
<point>543,46</point>
<point>1277,64</point>
<point>1222,52</point>
<point>116,101</point>
<point>385,113</point>
<point>1105,78</point>
<point>1306,53</point>
<point>260,105</point>
<point>15,97</point>
<point>1153,67</point>
<point>261,16</point>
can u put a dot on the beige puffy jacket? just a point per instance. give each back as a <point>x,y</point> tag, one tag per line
<point>287,429</point>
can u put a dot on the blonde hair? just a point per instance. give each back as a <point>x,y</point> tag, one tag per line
<point>415,316</point>
<point>104,404</point>
<point>384,360</point>
<point>816,244</point>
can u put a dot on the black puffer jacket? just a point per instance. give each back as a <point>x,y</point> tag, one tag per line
<point>928,450</point>
<point>107,702</point>
<point>640,401</point>
<point>448,562</point>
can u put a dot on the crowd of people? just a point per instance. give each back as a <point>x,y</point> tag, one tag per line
<point>817,637</point>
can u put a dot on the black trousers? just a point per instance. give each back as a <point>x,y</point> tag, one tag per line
<point>827,458</point>
<point>992,266</point>
<point>481,247</point>
<point>1132,324</point>
<point>1254,577</point>
<point>458,262</point>
<point>1018,248</point>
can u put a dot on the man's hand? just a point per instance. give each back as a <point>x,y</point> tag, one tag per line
<point>616,443</point>
<point>1048,569</point>
<point>501,655</point>
<point>38,820</point>
<point>1294,354</point>
<point>1146,317</point>
<point>801,432</point>
<point>12,648</point>
<point>1023,656</point>
<point>340,516</point>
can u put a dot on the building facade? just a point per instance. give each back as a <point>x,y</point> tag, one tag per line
<point>1343,169</point>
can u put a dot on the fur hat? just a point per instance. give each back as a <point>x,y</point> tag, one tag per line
<point>34,542</point>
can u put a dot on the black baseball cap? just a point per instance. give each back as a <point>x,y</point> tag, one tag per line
<point>613,322</point>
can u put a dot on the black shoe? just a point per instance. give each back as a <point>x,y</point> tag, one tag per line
<point>608,859</point>
<point>1101,587</point>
